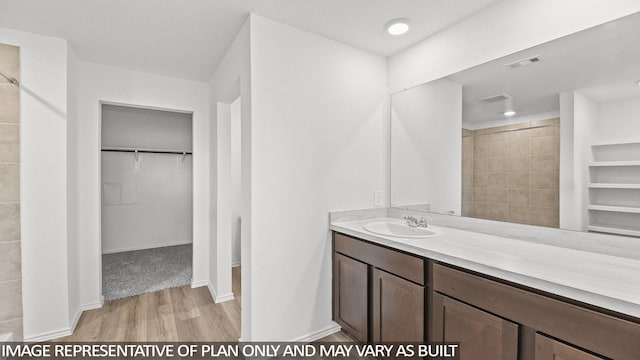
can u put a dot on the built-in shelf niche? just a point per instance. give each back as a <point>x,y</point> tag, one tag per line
<point>614,188</point>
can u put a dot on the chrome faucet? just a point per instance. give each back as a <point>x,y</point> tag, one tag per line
<point>414,222</point>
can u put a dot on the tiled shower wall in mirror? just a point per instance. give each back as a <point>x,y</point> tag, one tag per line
<point>511,173</point>
<point>10,263</point>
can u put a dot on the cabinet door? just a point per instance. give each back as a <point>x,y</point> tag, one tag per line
<point>350,279</point>
<point>481,335</point>
<point>549,349</point>
<point>398,309</point>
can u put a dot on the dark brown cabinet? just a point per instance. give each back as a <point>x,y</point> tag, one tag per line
<point>596,331</point>
<point>378,293</point>
<point>549,349</point>
<point>351,295</point>
<point>482,336</point>
<point>383,295</point>
<point>398,309</point>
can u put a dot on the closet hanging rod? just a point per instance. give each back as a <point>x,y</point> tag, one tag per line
<point>148,151</point>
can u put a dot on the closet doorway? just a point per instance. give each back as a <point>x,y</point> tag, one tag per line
<point>147,200</point>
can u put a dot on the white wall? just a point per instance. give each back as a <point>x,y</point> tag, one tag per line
<point>73,197</point>
<point>163,208</point>
<point>568,219</point>
<point>585,118</point>
<point>236,180</point>
<point>618,120</point>
<point>502,29</point>
<point>125,126</point>
<point>426,146</point>
<point>317,125</point>
<point>578,119</point>
<point>43,184</point>
<point>231,79</point>
<point>99,83</point>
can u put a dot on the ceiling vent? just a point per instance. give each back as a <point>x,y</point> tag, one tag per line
<point>496,98</point>
<point>524,62</point>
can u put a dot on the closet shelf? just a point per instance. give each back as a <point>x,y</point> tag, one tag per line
<point>614,163</point>
<point>613,186</point>
<point>621,209</point>
<point>621,230</point>
<point>147,150</point>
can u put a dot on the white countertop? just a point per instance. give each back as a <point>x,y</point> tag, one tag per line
<point>606,281</point>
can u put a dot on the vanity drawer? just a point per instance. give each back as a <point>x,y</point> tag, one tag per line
<point>404,265</point>
<point>584,327</point>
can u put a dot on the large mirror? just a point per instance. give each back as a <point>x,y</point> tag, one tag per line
<point>547,136</point>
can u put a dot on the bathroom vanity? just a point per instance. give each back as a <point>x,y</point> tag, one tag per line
<point>499,297</point>
<point>502,289</point>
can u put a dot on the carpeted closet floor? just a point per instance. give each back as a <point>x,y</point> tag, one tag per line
<point>137,272</point>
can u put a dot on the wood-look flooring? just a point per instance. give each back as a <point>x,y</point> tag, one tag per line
<point>179,314</point>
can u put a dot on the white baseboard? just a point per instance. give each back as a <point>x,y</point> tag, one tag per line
<point>48,335</point>
<point>74,321</point>
<point>235,263</point>
<point>222,298</point>
<point>198,284</point>
<point>317,335</point>
<point>71,328</point>
<point>144,247</point>
<point>92,306</point>
<point>311,337</point>
<point>6,337</point>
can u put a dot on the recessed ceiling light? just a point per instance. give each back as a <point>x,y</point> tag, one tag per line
<point>397,26</point>
<point>638,82</point>
<point>509,113</point>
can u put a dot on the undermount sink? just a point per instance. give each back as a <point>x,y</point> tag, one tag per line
<point>387,228</point>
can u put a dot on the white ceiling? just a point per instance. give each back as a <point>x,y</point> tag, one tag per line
<point>188,39</point>
<point>602,63</point>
